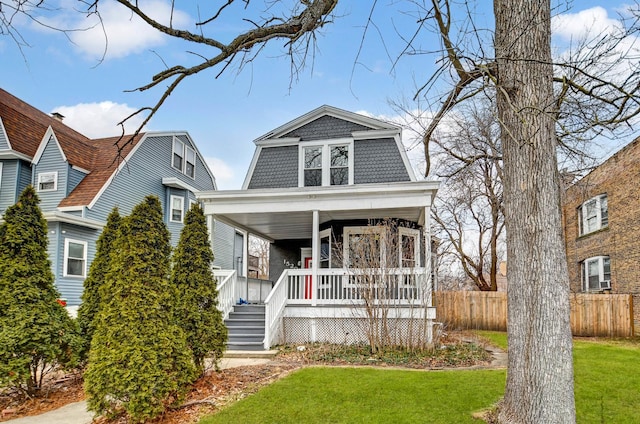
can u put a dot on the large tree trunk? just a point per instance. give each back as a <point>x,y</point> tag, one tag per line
<point>540,371</point>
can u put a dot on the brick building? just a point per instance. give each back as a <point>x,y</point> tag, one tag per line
<point>602,228</point>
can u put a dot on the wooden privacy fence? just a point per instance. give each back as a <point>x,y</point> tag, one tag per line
<point>607,315</point>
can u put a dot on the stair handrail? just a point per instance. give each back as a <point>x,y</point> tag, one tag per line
<point>274,306</point>
<point>226,290</point>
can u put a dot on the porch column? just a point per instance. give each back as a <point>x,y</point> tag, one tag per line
<point>315,248</point>
<point>427,255</point>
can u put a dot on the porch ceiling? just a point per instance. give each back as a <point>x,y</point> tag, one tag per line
<point>288,213</point>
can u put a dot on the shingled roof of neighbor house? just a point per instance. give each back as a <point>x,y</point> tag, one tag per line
<point>26,127</point>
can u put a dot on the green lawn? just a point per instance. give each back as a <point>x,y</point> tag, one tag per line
<point>607,380</point>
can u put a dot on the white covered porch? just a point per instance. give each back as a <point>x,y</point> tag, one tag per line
<point>325,301</point>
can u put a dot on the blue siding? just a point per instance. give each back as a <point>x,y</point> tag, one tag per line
<point>276,167</point>
<point>4,141</point>
<point>223,239</point>
<point>51,161</point>
<point>378,161</point>
<point>70,288</point>
<point>74,179</point>
<point>202,179</point>
<point>25,177</point>
<point>8,184</point>
<point>142,176</point>
<point>174,227</point>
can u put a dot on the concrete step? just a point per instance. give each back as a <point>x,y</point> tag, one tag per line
<point>249,308</point>
<point>246,329</point>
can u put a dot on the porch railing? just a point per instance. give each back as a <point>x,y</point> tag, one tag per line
<point>341,286</point>
<point>227,284</point>
<point>273,308</point>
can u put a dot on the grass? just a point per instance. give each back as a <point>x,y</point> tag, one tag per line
<point>368,395</point>
<point>607,378</point>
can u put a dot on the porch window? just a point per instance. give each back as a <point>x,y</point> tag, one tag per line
<point>75,258</point>
<point>47,181</point>
<point>312,166</point>
<point>364,247</point>
<point>596,273</point>
<point>178,154</point>
<point>327,164</point>
<point>409,247</point>
<point>325,249</point>
<point>177,208</point>
<point>593,215</point>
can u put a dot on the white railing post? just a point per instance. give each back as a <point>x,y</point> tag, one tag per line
<point>226,284</point>
<point>274,306</point>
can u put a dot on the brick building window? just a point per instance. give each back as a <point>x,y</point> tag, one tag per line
<point>596,273</point>
<point>593,215</point>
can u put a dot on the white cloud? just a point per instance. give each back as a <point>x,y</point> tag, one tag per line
<point>588,22</point>
<point>98,120</point>
<point>226,178</point>
<point>119,30</point>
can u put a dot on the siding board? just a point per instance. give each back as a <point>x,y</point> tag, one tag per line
<point>277,167</point>
<point>8,184</point>
<point>51,161</point>
<point>378,161</point>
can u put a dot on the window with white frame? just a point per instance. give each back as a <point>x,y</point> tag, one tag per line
<point>190,166</point>
<point>409,247</point>
<point>596,273</point>
<point>364,247</point>
<point>47,181</point>
<point>75,258</point>
<point>177,209</point>
<point>593,215</point>
<point>178,154</point>
<point>325,249</point>
<point>326,164</point>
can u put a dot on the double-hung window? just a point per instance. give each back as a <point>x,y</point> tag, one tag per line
<point>326,164</point>
<point>593,215</point>
<point>47,181</point>
<point>183,158</point>
<point>75,258</point>
<point>177,209</point>
<point>178,154</point>
<point>596,273</point>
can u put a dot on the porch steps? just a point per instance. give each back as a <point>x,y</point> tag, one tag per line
<point>246,328</point>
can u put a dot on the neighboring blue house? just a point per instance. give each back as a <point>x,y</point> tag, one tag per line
<point>79,180</point>
<point>317,189</point>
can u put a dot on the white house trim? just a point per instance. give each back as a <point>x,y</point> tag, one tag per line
<point>77,168</point>
<point>50,134</point>
<point>252,167</point>
<point>278,142</point>
<point>177,183</point>
<point>375,134</point>
<point>58,216</point>
<point>12,154</point>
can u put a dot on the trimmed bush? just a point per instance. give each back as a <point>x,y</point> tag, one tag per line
<point>94,283</point>
<point>139,362</point>
<point>36,333</point>
<point>197,308</point>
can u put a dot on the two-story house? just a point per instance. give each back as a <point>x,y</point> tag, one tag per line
<point>335,195</point>
<point>602,227</point>
<point>79,180</point>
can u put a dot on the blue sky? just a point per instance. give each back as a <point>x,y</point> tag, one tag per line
<point>223,115</point>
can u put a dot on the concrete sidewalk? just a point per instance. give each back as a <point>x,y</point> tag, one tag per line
<point>76,413</point>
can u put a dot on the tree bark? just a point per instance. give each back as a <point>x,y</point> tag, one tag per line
<point>540,369</point>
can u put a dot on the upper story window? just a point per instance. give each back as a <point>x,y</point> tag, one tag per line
<point>184,158</point>
<point>178,154</point>
<point>177,209</point>
<point>326,164</point>
<point>596,273</point>
<point>75,258</point>
<point>593,215</point>
<point>47,181</point>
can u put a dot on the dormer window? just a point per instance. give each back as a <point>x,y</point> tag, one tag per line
<point>593,215</point>
<point>326,164</point>
<point>178,154</point>
<point>190,166</point>
<point>47,181</point>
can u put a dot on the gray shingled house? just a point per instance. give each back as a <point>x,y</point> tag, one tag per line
<point>348,225</point>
